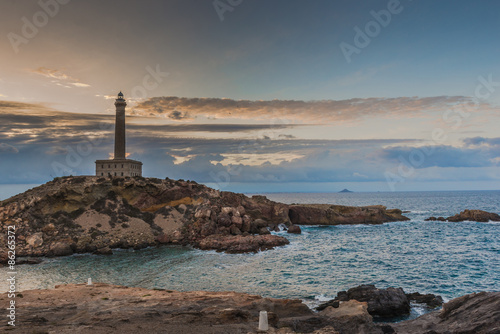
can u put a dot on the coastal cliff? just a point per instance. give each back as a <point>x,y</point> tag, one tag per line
<point>95,214</point>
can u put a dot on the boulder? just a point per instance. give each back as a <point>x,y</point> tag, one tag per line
<point>35,240</point>
<point>351,317</point>
<point>163,238</point>
<point>104,251</point>
<point>477,313</point>
<point>224,220</point>
<point>264,231</point>
<point>386,303</point>
<point>60,249</point>
<point>432,301</point>
<point>294,229</point>
<point>234,230</point>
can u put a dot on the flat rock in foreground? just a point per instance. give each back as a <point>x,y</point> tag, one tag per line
<point>103,308</point>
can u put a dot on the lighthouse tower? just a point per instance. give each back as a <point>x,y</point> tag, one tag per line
<point>119,165</point>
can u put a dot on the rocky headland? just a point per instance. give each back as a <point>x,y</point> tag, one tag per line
<point>104,308</point>
<point>96,214</point>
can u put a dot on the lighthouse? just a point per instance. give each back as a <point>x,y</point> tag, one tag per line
<point>119,165</point>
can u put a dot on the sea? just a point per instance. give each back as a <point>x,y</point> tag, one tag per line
<point>443,258</point>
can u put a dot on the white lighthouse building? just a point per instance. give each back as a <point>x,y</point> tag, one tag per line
<point>119,165</point>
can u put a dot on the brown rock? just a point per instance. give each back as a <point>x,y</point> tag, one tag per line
<point>352,317</point>
<point>60,249</point>
<point>264,231</point>
<point>104,251</point>
<point>242,244</point>
<point>432,301</point>
<point>325,214</point>
<point>477,313</point>
<point>163,238</point>
<point>224,220</point>
<point>236,220</point>
<point>294,229</point>
<point>390,302</point>
<point>474,215</point>
<point>35,240</point>
<point>234,230</point>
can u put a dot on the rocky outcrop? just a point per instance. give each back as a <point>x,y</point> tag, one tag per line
<point>87,214</point>
<point>474,215</point>
<point>477,313</point>
<point>93,214</point>
<point>242,244</point>
<point>430,300</point>
<point>295,229</point>
<point>469,215</point>
<point>433,219</point>
<point>352,317</point>
<point>387,303</point>
<point>325,214</point>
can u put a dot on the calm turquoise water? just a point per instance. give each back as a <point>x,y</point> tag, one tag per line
<point>450,259</point>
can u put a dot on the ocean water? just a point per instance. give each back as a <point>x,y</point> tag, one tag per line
<point>449,259</point>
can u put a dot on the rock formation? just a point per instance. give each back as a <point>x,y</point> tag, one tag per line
<point>477,313</point>
<point>474,215</point>
<point>96,214</point>
<point>470,215</point>
<point>326,214</point>
<point>387,303</point>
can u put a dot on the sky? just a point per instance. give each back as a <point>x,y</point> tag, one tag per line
<point>255,96</point>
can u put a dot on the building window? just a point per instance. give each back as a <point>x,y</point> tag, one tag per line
<point>115,166</point>
<point>109,174</point>
<point>115,173</point>
<point>122,173</point>
<point>102,174</point>
<point>102,166</point>
<point>122,165</point>
<point>109,166</point>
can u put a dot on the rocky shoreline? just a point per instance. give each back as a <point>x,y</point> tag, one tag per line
<point>87,214</point>
<point>104,308</point>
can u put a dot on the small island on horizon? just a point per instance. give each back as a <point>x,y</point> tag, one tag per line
<point>345,190</point>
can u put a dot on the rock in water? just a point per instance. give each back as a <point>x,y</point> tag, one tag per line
<point>477,313</point>
<point>474,215</point>
<point>294,229</point>
<point>326,214</point>
<point>242,244</point>
<point>387,303</point>
<point>432,301</point>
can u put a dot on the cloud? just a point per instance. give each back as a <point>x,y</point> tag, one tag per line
<point>6,148</point>
<point>42,137</point>
<point>57,151</point>
<point>181,108</point>
<point>475,152</point>
<point>59,78</point>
